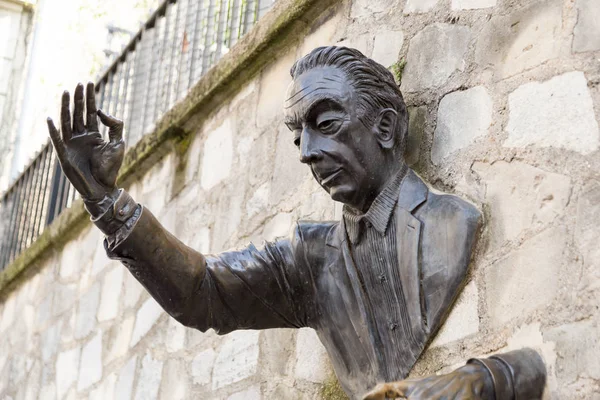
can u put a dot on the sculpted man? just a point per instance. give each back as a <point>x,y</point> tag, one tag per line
<point>376,285</point>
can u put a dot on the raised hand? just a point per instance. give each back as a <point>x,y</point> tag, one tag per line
<point>90,163</point>
<point>471,382</point>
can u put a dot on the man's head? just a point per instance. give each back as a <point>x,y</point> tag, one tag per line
<point>349,121</point>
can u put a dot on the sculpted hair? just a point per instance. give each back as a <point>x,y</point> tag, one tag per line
<point>373,83</point>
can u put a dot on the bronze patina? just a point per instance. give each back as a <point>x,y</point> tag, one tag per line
<point>376,285</point>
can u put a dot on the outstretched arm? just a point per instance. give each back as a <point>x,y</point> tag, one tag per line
<point>249,289</point>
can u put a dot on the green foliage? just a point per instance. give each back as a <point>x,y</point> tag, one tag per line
<point>398,69</point>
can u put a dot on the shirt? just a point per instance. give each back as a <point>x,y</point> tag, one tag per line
<point>373,248</point>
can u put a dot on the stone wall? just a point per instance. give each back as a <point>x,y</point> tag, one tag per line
<point>504,101</point>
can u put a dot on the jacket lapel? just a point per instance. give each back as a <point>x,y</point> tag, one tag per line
<point>413,192</point>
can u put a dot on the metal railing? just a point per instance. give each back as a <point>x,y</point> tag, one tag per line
<point>180,42</point>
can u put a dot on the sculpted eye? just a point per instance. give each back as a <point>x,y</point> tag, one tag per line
<point>297,141</point>
<point>329,126</point>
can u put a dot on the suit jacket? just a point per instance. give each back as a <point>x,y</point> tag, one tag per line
<point>310,280</point>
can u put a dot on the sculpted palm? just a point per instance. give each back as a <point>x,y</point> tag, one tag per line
<point>89,162</point>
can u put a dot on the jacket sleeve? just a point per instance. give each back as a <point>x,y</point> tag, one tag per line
<point>516,375</point>
<point>247,289</point>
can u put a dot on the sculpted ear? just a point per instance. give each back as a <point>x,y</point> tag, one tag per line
<point>385,128</point>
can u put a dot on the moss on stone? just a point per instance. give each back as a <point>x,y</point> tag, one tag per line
<point>332,390</point>
<point>398,69</point>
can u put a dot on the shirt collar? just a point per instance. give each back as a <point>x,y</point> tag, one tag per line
<point>380,212</point>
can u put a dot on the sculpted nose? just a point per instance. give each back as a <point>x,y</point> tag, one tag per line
<point>309,151</point>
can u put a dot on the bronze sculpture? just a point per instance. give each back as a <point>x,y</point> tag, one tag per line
<point>376,286</point>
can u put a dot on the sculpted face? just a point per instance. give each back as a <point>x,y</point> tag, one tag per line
<point>344,155</point>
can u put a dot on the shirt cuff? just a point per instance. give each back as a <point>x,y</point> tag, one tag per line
<point>116,213</point>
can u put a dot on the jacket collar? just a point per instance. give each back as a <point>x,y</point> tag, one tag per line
<point>413,192</point>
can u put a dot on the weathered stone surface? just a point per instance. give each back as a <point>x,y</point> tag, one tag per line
<point>105,390</point>
<point>288,173</point>
<point>527,279</point>
<point>521,197</point>
<point>252,393</point>
<point>237,359</point>
<point>120,336</point>
<point>279,226</point>
<point>175,381</point>
<point>416,128</point>
<point>8,313</point>
<point>463,320</point>
<point>217,155</point>
<point>175,338</point>
<point>462,117</point>
<point>273,86</point>
<point>578,351</point>
<point>64,298</point>
<point>419,6</point>
<point>521,40</point>
<point>86,312</point>
<point>312,363</point>
<point>259,200</point>
<point>90,369</point>
<point>202,366</point>
<point>587,233</point>
<point>586,36</point>
<point>472,4</point>
<point>149,379</point>
<point>50,340</point>
<point>132,290</point>
<point>360,42</point>
<point>145,319</point>
<point>556,113</point>
<point>387,46</point>
<point>111,294</point>
<point>365,8</point>
<point>324,35</point>
<point>124,386</point>
<point>67,367</point>
<point>70,260</point>
<point>434,54</point>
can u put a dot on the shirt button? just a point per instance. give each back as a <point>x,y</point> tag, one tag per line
<point>382,278</point>
<point>393,326</point>
<point>368,224</point>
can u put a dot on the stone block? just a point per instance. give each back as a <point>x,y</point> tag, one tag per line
<point>119,338</point>
<point>472,4</point>
<point>417,118</point>
<point>386,47</point>
<point>237,358</point>
<point>577,349</point>
<point>252,393</point>
<point>366,8</point>
<point>105,390</point>
<point>90,369</point>
<point>175,339</point>
<point>278,226</point>
<point>67,367</point>
<point>8,313</point>
<point>527,279</point>
<point>312,363</point>
<point>64,297</point>
<point>360,42</point>
<point>86,312</point>
<point>419,6</point>
<point>273,87</point>
<point>110,298</point>
<point>217,155</point>
<point>521,197</point>
<point>259,200</point>
<point>70,261</point>
<point>132,290</point>
<point>145,319</point>
<point>149,379</point>
<point>124,386</point>
<point>557,113</point>
<point>435,53</point>
<point>463,320</point>
<point>462,117</point>
<point>175,381</point>
<point>587,233</point>
<point>202,367</point>
<point>50,339</point>
<point>586,35</point>
<point>288,173</point>
<point>521,40</point>
<point>324,35</point>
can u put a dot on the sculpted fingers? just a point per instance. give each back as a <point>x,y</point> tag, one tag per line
<point>78,124</point>
<point>91,117</point>
<point>65,117</point>
<point>115,127</point>
<point>392,390</point>
<point>56,140</point>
